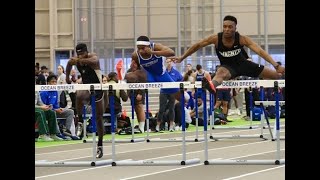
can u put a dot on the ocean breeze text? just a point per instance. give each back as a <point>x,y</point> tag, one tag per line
<point>57,88</point>
<point>145,86</point>
<point>239,83</point>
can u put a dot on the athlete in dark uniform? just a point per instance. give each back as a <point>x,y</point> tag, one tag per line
<point>229,46</point>
<point>89,67</point>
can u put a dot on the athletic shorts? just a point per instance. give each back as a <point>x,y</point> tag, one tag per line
<point>243,68</point>
<point>223,95</point>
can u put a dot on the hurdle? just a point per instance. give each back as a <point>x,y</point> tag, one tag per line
<point>196,139</point>
<point>132,140</point>
<point>94,161</point>
<point>245,84</point>
<point>268,103</point>
<point>184,161</point>
<point>234,127</point>
<point>276,161</point>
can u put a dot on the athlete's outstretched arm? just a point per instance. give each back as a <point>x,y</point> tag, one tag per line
<point>161,50</point>
<point>202,43</point>
<point>92,60</point>
<point>245,40</point>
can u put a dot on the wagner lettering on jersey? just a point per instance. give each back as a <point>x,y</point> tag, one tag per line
<point>230,53</point>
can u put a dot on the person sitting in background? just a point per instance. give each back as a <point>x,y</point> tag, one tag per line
<point>178,113</point>
<point>42,114</point>
<point>51,98</point>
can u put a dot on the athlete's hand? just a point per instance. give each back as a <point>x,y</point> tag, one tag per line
<point>280,69</point>
<point>73,61</point>
<point>148,50</point>
<point>176,59</point>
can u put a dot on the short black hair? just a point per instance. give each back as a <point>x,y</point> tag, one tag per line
<point>81,47</point>
<point>52,76</point>
<point>198,67</point>
<point>143,38</point>
<point>230,18</point>
<point>43,67</point>
<point>112,75</point>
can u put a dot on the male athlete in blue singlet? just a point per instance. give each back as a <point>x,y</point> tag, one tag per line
<point>89,67</point>
<point>151,56</point>
<point>229,46</point>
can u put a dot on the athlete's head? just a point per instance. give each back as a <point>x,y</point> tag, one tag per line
<point>142,43</point>
<point>82,50</point>
<point>229,26</point>
<point>198,67</point>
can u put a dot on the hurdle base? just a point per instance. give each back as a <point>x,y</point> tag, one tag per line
<point>71,163</point>
<point>281,138</point>
<point>198,139</point>
<point>237,137</point>
<point>119,140</point>
<point>175,140</point>
<point>245,162</point>
<point>280,162</point>
<point>249,127</point>
<point>155,163</point>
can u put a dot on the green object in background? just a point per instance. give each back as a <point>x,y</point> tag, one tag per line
<point>192,128</point>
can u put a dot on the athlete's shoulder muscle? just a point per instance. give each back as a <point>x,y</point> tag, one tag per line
<point>212,39</point>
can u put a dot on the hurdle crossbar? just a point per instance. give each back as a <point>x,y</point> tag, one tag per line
<point>186,84</point>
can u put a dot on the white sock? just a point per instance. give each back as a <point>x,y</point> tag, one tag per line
<point>158,128</point>
<point>141,126</point>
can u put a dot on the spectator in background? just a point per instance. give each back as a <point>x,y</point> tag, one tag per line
<point>44,113</point>
<point>42,77</point>
<point>51,98</point>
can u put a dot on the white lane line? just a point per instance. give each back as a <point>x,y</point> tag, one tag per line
<point>69,172</point>
<point>158,172</point>
<point>117,145</point>
<point>161,147</point>
<point>252,173</point>
<point>214,149</point>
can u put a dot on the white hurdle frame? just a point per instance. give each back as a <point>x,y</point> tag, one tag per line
<point>184,161</point>
<point>94,161</point>
<point>132,140</point>
<point>277,160</point>
<point>196,139</point>
<point>230,128</point>
<point>272,103</point>
<point>243,84</point>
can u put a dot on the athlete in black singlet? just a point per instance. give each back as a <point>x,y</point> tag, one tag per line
<point>89,67</point>
<point>229,46</point>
